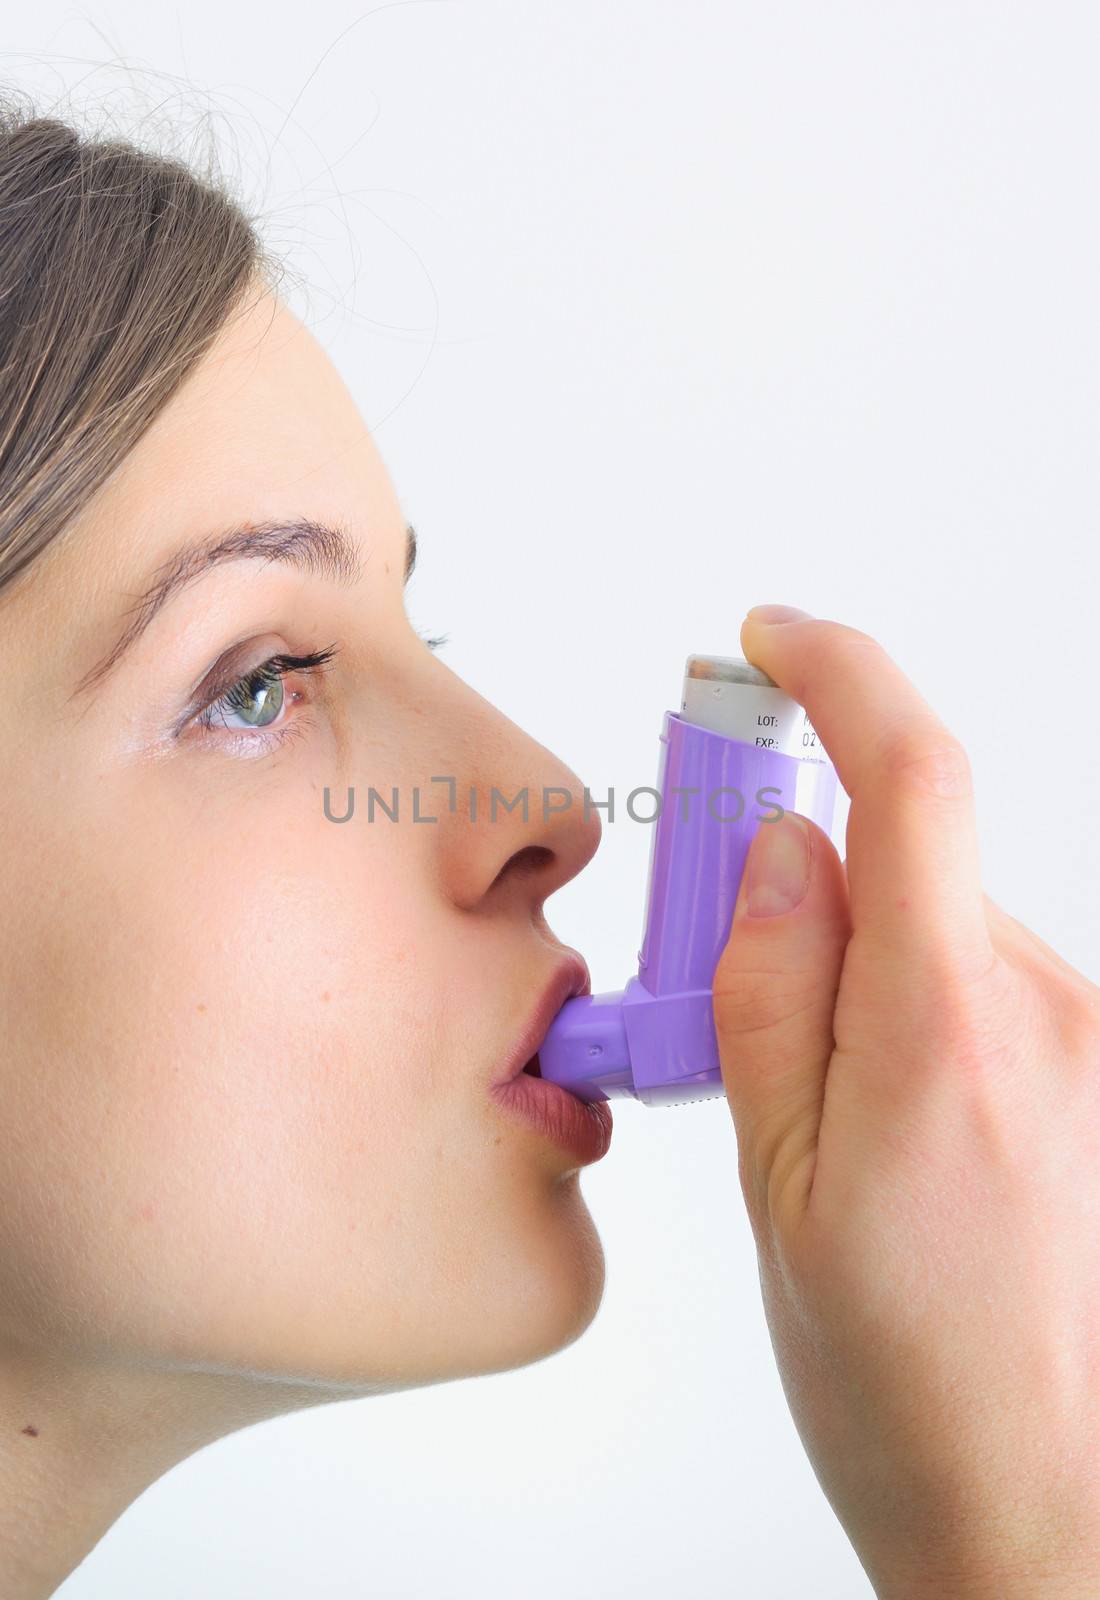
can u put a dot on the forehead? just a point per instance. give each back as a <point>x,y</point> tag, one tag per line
<point>264,375</point>
<point>262,428</point>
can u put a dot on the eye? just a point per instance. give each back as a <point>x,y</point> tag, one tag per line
<point>253,708</point>
<point>259,698</point>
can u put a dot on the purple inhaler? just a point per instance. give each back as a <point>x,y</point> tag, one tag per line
<point>739,752</point>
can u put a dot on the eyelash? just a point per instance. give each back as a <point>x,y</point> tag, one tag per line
<point>270,672</point>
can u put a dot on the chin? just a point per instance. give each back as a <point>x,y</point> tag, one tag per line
<point>548,1295</point>
<point>507,1301</point>
<point>527,1298</point>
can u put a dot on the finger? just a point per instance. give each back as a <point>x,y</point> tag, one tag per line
<point>774,992</point>
<point>912,855</point>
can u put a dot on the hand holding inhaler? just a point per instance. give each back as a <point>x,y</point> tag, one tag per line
<point>914,1080</point>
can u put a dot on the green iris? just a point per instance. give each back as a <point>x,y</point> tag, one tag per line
<point>257,698</point>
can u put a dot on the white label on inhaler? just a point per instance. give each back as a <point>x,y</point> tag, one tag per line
<point>740,701</point>
<point>727,695</point>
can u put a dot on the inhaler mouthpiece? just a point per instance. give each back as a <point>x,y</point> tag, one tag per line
<point>738,754</point>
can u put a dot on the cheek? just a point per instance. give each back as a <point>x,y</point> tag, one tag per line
<point>218,1077</point>
<point>247,1122</point>
<point>294,1049</point>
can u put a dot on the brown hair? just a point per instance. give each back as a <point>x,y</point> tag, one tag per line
<point>118,266</point>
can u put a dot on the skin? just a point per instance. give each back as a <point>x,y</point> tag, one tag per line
<point>914,1080</point>
<point>249,1158</point>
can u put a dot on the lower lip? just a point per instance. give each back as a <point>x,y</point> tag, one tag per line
<point>583,1127</point>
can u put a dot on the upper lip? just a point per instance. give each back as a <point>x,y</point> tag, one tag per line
<point>571,978</point>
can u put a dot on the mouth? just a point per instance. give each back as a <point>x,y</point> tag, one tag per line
<point>580,1127</point>
<point>571,978</point>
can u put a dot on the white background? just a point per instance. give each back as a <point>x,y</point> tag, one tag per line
<point>658,311</point>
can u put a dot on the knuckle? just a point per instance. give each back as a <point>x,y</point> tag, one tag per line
<point>925,756</point>
<point>1072,1006</point>
<point>963,988</point>
<point>790,1166</point>
<point>754,1002</point>
<point>1087,1004</point>
<point>971,1020</point>
<point>962,982</point>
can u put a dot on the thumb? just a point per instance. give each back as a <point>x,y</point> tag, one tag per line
<point>775,989</point>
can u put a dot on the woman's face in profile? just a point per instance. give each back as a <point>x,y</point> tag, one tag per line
<point>248,1123</point>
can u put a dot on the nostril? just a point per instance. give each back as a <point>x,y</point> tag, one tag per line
<point>525,863</point>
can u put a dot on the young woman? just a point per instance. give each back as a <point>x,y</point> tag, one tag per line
<point>255,1154</point>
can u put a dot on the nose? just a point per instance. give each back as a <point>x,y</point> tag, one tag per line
<point>515,821</point>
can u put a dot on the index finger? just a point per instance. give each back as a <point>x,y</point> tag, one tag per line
<point>914,874</point>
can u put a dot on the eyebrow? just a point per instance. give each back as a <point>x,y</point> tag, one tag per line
<point>319,548</point>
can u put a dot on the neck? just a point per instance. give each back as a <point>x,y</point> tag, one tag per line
<point>79,1442</point>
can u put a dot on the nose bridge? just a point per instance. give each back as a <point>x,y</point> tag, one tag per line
<point>500,790</point>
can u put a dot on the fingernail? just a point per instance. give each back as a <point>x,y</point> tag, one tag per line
<point>776,614</point>
<point>778,871</point>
